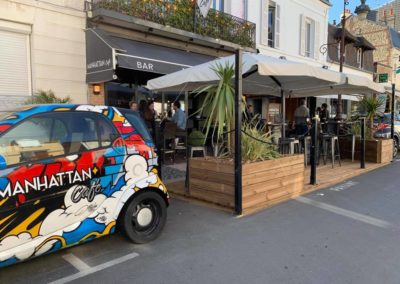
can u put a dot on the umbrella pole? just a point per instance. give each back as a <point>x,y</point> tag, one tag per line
<point>238,132</point>
<point>392,107</point>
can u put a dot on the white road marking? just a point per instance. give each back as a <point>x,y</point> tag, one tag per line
<point>90,270</point>
<point>76,262</point>
<point>343,186</point>
<point>347,213</point>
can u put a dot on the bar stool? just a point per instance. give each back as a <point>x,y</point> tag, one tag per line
<point>291,144</point>
<point>331,141</point>
<point>197,148</point>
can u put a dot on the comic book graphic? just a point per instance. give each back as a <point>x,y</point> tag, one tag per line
<point>56,203</point>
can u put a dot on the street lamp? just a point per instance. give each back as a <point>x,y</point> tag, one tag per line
<point>324,48</point>
<point>339,109</point>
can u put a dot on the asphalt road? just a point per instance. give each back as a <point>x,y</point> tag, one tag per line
<point>349,233</point>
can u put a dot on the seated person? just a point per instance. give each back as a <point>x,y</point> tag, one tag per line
<point>179,117</point>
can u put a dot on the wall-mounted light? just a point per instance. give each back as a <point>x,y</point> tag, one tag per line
<point>96,89</point>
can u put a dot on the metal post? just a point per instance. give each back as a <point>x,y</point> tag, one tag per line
<point>283,111</point>
<point>163,103</point>
<point>238,132</point>
<point>186,140</point>
<point>392,107</point>
<point>314,151</point>
<point>339,107</point>
<point>362,158</point>
<point>392,120</point>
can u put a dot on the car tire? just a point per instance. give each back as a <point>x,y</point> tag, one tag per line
<point>144,217</point>
<point>395,147</point>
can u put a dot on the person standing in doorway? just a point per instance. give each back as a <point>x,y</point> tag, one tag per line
<point>301,116</point>
<point>324,116</point>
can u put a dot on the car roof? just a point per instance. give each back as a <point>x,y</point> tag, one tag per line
<point>17,114</point>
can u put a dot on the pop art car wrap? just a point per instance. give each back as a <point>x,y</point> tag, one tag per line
<point>65,200</point>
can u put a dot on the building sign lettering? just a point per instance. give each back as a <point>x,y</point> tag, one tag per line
<point>99,63</point>
<point>145,66</point>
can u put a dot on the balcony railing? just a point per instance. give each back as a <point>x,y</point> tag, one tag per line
<point>185,15</point>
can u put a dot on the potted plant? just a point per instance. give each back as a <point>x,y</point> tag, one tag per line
<point>267,177</point>
<point>376,150</point>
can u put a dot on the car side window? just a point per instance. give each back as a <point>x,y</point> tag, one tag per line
<point>82,132</point>
<point>30,141</point>
<point>107,132</point>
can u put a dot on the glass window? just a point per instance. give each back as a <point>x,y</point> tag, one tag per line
<point>134,119</point>
<point>309,38</point>
<point>32,140</point>
<point>82,132</point>
<point>271,25</point>
<point>107,132</point>
<point>359,57</point>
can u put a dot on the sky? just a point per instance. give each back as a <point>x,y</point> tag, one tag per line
<point>337,7</point>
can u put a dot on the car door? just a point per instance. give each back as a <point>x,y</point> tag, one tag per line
<point>25,200</point>
<point>53,181</point>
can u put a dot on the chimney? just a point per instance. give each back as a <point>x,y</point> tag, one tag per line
<point>362,10</point>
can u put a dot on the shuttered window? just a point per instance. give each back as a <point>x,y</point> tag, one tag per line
<point>309,37</point>
<point>14,64</point>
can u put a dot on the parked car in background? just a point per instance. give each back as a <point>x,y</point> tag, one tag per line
<point>73,173</point>
<point>382,129</point>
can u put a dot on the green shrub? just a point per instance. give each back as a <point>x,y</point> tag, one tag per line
<point>259,149</point>
<point>196,138</point>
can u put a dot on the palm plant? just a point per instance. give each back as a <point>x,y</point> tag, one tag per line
<point>47,97</point>
<point>369,106</point>
<point>219,103</point>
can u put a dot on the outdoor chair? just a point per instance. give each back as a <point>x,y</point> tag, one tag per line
<point>168,145</point>
<point>181,140</point>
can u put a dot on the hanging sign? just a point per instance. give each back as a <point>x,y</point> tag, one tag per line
<point>204,6</point>
<point>383,78</point>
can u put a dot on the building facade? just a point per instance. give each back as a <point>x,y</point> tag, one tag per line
<point>42,47</point>
<point>128,44</point>
<point>293,30</point>
<point>383,37</point>
<point>358,60</point>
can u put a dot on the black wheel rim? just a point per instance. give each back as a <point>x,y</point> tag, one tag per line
<point>142,227</point>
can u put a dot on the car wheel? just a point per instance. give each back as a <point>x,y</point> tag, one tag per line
<point>395,147</point>
<point>144,217</point>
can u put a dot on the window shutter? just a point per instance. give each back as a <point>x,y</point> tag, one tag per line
<point>14,64</point>
<point>316,40</point>
<point>302,42</point>
<point>264,22</point>
<point>277,25</point>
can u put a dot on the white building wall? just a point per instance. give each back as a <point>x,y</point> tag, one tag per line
<point>291,12</point>
<point>56,44</point>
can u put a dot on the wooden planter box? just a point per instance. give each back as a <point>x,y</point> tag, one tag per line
<point>264,183</point>
<point>376,151</point>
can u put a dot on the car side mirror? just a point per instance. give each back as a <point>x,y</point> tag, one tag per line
<point>3,162</point>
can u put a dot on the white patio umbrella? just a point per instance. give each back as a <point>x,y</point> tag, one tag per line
<point>262,75</point>
<point>354,85</point>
